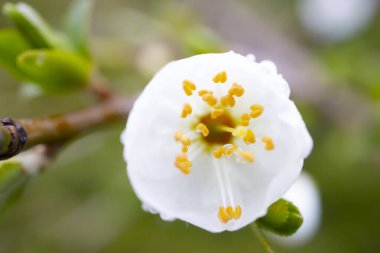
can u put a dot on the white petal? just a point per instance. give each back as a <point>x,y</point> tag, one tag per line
<point>150,148</point>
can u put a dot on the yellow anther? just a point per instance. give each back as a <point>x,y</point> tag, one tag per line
<point>190,84</point>
<point>216,113</point>
<point>230,211</point>
<point>187,90</point>
<point>227,100</point>
<point>244,123</point>
<point>203,92</point>
<point>185,170</point>
<point>227,151</point>
<point>218,152</point>
<point>178,135</point>
<point>256,110</point>
<point>220,77</point>
<point>186,110</point>
<point>188,87</point>
<point>209,99</point>
<point>181,158</point>
<point>185,141</point>
<point>249,137</point>
<point>236,90</point>
<point>185,149</point>
<point>247,156</point>
<point>224,101</point>
<point>269,145</point>
<point>223,215</point>
<point>245,118</point>
<point>223,77</point>
<point>183,164</point>
<point>231,101</point>
<point>237,213</point>
<point>202,128</point>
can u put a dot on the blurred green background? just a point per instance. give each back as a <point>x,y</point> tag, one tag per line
<point>84,202</point>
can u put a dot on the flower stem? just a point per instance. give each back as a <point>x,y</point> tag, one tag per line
<point>261,237</point>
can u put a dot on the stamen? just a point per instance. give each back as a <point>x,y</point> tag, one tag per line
<point>245,118</point>
<point>202,92</point>
<point>218,152</point>
<point>223,215</point>
<point>220,77</point>
<point>227,100</point>
<point>186,110</point>
<point>236,90</point>
<point>181,157</point>
<point>194,150</point>
<point>238,212</point>
<point>219,176</point>
<point>183,164</point>
<point>208,97</point>
<point>239,131</point>
<point>202,128</point>
<point>229,149</point>
<point>256,110</point>
<point>178,136</point>
<point>269,145</point>
<point>188,87</point>
<point>229,213</point>
<point>225,212</point>
<point>246,155</point>
<point>216,113</point>
<point>185,141</point>
<point>249,137</point>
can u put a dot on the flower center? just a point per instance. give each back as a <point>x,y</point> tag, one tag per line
<point>217,135</point>
<point>218,129</point>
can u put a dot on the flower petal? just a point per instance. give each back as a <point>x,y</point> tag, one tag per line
<point>150,148</point>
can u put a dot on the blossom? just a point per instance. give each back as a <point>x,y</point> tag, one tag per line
<point>305,195</point>
<point>213,140</point>
<point>336,20</point>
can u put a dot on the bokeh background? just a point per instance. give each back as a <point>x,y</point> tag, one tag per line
<point>328,50</point>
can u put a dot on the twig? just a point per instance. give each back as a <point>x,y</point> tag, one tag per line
<point>100,87</point>
<point>26,133</point>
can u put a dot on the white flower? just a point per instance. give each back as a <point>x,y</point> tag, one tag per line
<point>336,20</point>
<point>214,140</point>
<point>305,195</point>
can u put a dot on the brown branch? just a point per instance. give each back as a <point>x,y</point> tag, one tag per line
<point>26,133</point>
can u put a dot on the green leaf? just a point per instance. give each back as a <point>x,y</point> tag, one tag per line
<point>11,45</point>
<point>33,27</point>
<point>77,24</point>
<point>283,218</point>
<point>55,71</point>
